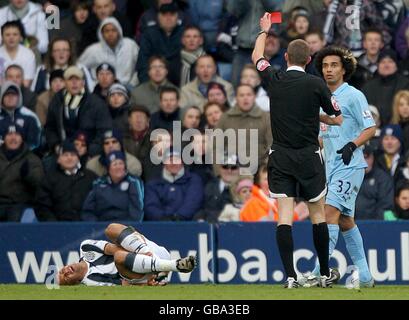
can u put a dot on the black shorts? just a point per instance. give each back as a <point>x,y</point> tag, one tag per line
<point>296,173</point>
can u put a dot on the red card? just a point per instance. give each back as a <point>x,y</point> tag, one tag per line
<point>276,17</point>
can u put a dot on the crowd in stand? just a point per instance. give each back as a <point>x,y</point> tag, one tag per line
<point>79,103</point>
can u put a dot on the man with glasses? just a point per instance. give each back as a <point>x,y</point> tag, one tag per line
<point>147,94</point>
<point>113,142</point>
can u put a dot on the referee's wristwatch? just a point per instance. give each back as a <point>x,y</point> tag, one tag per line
<point>261,32</point>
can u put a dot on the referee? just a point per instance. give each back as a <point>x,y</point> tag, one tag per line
<point>295,161</point>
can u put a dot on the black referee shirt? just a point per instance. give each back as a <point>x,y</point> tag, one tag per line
<point>295,101</point>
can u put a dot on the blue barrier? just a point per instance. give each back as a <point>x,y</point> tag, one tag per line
<point>247,253</point>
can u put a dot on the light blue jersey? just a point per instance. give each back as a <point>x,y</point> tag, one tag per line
<point>344,181</point>
<point>357,117</point>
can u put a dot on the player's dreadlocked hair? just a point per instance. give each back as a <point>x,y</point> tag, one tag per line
<point>347,59</point>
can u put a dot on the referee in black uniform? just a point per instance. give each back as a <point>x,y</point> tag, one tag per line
<point>295,161</point>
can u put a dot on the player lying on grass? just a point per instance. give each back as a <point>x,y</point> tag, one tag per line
<point>130,259</point>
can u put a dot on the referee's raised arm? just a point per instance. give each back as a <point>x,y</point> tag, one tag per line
<point>265,25</point>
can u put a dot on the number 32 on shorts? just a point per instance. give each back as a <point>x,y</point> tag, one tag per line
<point>343,187</point>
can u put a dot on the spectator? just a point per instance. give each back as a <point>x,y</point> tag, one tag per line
<point>117,196</point>
<point>389,159</point>
<point>115,49</point>
<point>113,142</point>
<point>217,191</point>
<point>402,39</point>
<point>251,77</point>
<point>194,93</point>
<point>298,26</point>
<point>73,26</point>
<point>212,112</point>
<point>402,172</point>
<point>81,144</point>
<point>163,39</point>
<point>201,152</point>
<point>150,17</point>
<point>13,112</point>
<point>316,42</point>
<point>192,41</point>
<point>381,90</point>
<point>207,16</point>
<point>247,115</point>
<point>118,103</point>
<point>260,207</point>
<point>376,193</point>
<point>248,13</point>
<point>241,193</point>
<point>169,110</point>
<point>274,52</point>
<point>337,30</point>
<point>177,195</point>
<point>147,93</point>
<point>15,73</point>
<point>400,115</point>
<point>106,77</point>
<point>101,10</point>
<point>63,191</point>
<point>60,55</point>
<point>57,83</point>
<point>216,93</point>
<point>73,109</point>
<point>401,210</point>
<point>20,175</point>
<point>191,118</point>
<point>137,137</point>
<point>153,163</point>
<point>368,61</point>
<point>12,52</point>
<point>32,19</point>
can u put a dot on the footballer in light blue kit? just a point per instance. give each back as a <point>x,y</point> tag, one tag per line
<point>344,159</point>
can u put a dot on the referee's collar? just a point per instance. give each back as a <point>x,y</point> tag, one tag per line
<point>296,68</point>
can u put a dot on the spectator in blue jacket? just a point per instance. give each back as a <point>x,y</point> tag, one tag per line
<point>12,112</point>
<point>177,195</point>
<point>118,196</point>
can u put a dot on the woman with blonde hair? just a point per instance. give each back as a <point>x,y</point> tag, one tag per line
<point>400,115</point>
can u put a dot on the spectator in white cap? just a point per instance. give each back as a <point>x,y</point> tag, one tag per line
<point>118,103</point>
<point>20,175</point>
<point>73,109</point>
<point>115,49</point>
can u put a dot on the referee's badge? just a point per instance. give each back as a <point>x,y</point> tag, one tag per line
<point>335,103</point>
<point>263,65</point>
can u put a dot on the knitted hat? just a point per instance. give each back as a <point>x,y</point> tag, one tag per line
<point>392,130</point>
<point>113,156</point>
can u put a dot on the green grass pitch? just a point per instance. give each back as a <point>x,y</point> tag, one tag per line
<point>201,292</point>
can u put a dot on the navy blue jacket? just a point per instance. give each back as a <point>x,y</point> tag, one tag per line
<point>173,201</point>
<point>154,41</point>
<point>375,196</point>
<point>120,202</point>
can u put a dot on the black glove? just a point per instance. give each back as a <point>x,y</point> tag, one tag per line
<point>347,152</point>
